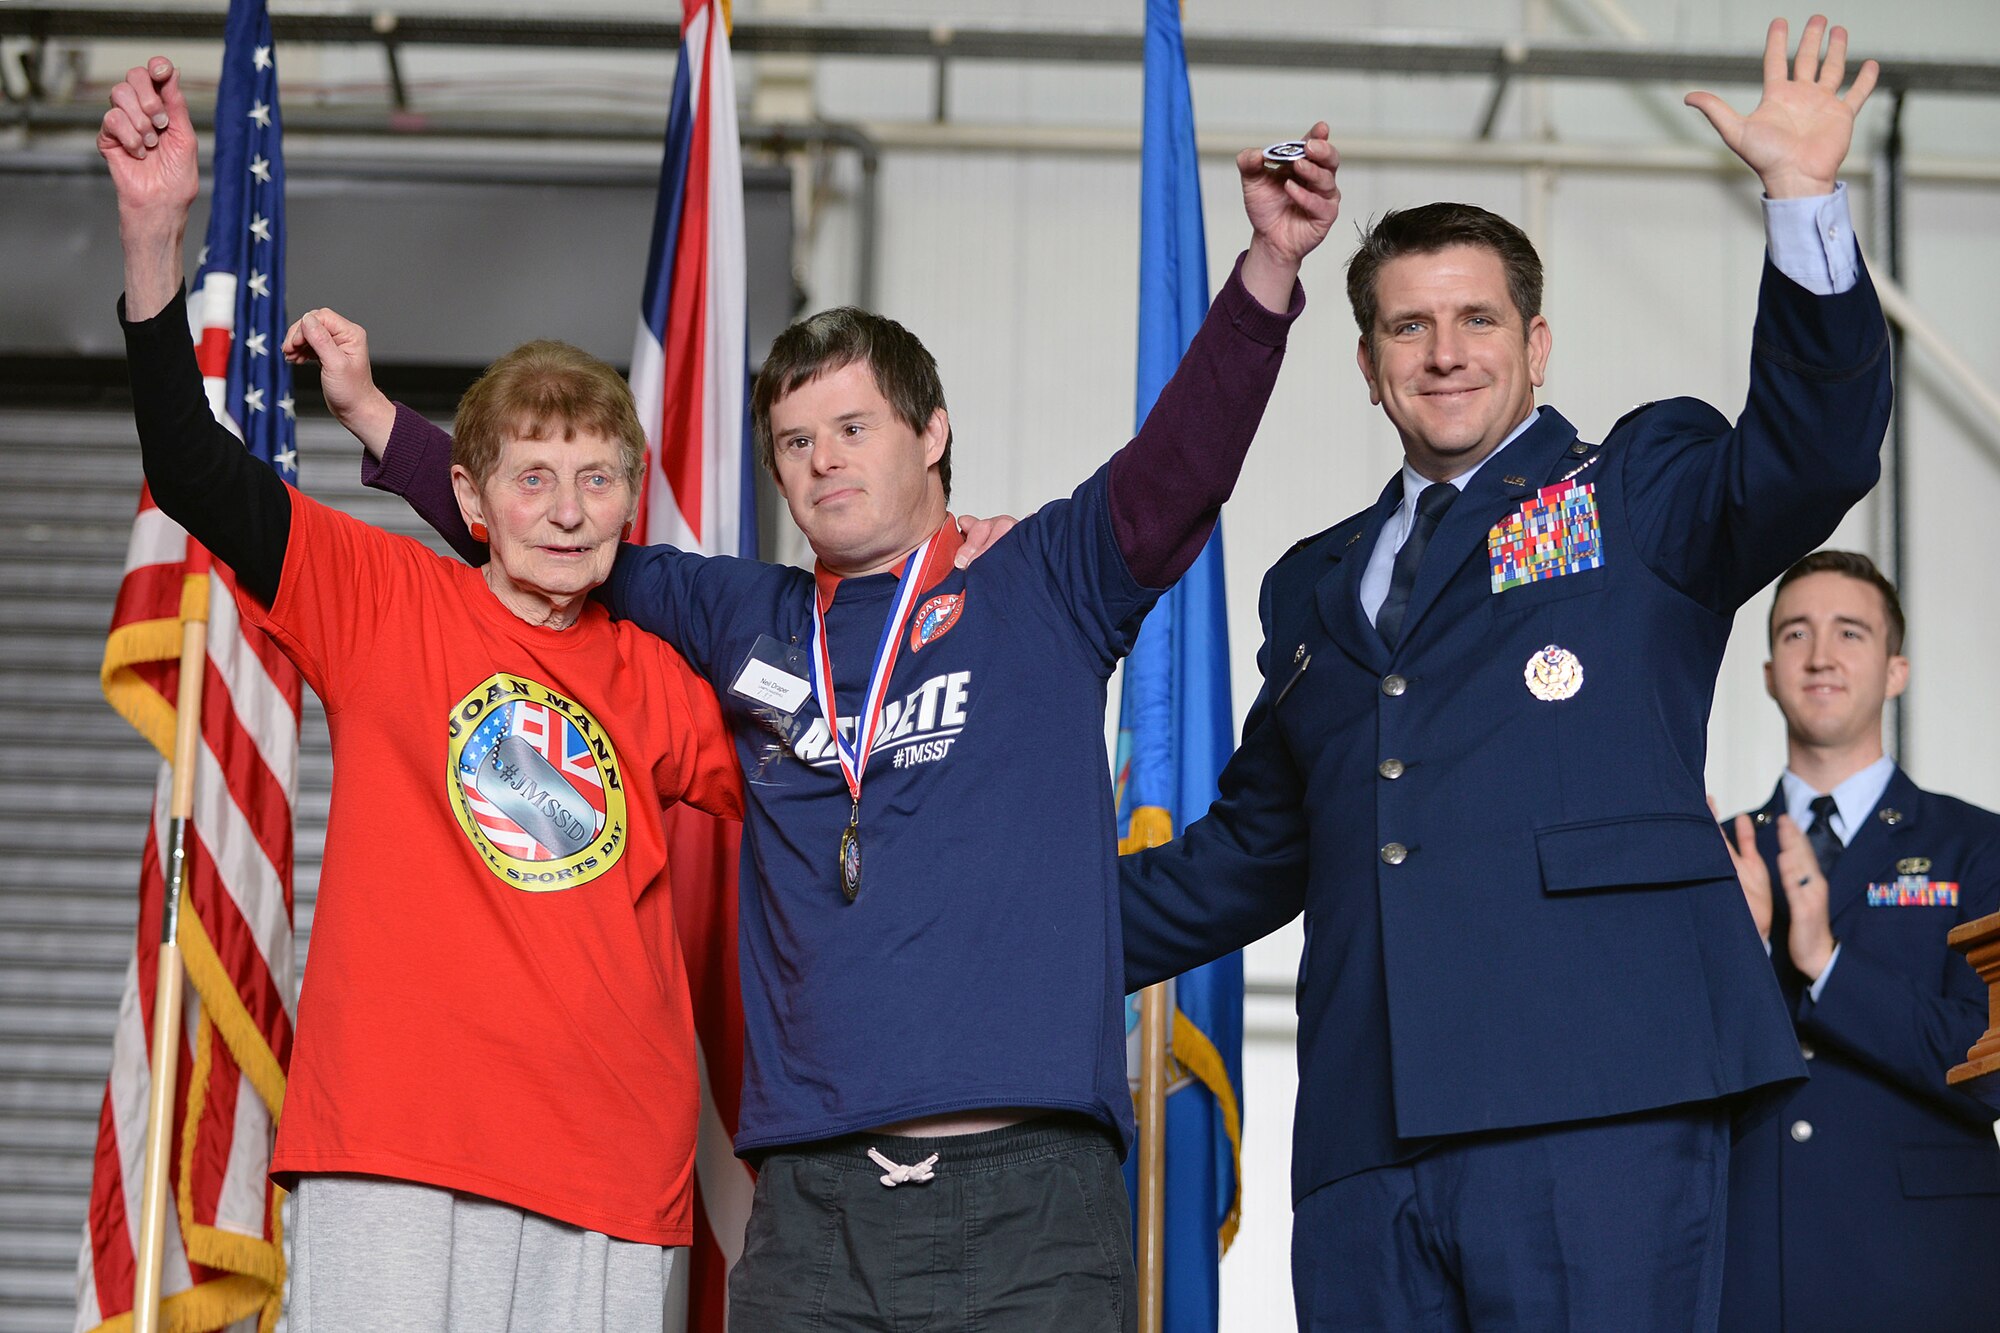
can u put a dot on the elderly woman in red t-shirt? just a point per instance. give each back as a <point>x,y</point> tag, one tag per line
<point>490,1114</point>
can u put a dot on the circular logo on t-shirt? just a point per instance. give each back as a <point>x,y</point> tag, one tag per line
<point>934,618</point>
<point>535,783</point>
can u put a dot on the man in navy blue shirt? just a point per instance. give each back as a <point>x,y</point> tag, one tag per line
<point>1529,983</point>
<point>934,1083</point>
<point>1869,1196</point>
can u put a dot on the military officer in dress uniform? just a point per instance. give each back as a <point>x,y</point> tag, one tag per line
<point>1530,986</point>
<point>1869,1197</point>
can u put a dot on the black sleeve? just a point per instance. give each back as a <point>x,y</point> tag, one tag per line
<point>200,474</point>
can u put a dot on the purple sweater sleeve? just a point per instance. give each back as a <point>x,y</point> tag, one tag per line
<point>416,465</point>
<point>1167,486</point>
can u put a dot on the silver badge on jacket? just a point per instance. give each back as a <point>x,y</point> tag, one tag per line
<point>1554,674</point>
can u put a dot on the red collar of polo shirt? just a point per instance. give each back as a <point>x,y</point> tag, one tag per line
<point>943,552</point>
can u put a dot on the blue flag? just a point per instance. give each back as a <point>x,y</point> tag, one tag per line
<point>1174,730</point>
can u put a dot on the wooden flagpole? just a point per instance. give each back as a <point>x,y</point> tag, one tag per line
<point>169,981</point>
<point>1153,1008</point>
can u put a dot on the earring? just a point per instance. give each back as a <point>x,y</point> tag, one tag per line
<point>479,532</point>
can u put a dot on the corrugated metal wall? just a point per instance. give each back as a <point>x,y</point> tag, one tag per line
<point>75,786</point>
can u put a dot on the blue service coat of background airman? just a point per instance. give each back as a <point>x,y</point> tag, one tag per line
<point>1869,1197</point>
<point>1520,912</point>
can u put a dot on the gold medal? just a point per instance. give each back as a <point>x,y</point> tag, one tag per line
<point>1554,674</point>
<point>922,569</point>
<point>850,855</point>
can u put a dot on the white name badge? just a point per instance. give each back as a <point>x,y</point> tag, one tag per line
<point>761,682</point>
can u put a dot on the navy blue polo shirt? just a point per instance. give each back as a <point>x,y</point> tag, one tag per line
<point>980,964</point>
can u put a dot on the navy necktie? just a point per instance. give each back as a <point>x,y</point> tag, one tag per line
<point>1432,501</point>
<point>1825,842</point>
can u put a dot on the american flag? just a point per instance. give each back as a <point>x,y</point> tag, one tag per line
<point>689,375</point>
<point>224,1261</point>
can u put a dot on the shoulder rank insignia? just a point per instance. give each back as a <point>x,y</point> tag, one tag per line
<point>1636,410</point>
<point>1333,550</point>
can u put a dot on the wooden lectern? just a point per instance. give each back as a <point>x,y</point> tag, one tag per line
<point>1979,941</point>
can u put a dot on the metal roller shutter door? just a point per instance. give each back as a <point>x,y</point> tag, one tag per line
<point>75,786</point>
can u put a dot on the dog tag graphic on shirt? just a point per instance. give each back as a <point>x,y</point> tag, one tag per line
<point>519,780</point>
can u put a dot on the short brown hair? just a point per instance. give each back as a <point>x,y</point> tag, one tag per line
<point>1429,228</point>
<point>538,391</point>
<point>904,370</point>
<point>1854,565</point>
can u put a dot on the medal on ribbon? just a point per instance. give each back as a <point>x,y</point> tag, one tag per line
<point>853,756</point>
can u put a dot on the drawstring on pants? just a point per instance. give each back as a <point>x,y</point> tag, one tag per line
<point>896,1174</point>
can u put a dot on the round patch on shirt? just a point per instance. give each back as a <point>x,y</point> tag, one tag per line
<point>535,783</point>
<point>934,617</point>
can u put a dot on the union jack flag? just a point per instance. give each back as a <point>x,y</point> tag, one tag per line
<point>689,377</point>
<point>224,1260</point>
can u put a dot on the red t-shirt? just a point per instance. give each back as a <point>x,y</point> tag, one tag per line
<point>495,1000</point>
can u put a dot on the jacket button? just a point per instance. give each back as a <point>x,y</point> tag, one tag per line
<point>1579,448</point>
<point>1394,853</point>
<point>1806,1050</point>
<point>1390,769</point>
<point>1393,686</point>
<point>1801,1130</point>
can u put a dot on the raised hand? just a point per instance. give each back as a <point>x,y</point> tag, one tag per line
<point>1810,937</point>
<point>147,140</point>
<point>1290,213</point>
<point>1799,134</point>
<point>1751,872</point>
<point>346,377</point>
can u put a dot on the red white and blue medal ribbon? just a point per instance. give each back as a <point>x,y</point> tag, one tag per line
<point>853,756</point>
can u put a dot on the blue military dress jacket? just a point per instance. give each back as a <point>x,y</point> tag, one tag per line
<point>1518,910</point>
<point>1869,1197</point>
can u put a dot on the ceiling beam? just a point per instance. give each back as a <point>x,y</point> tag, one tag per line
<point>1408,53</point>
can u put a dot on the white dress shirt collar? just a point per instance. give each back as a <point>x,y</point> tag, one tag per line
<point>1853,800</point>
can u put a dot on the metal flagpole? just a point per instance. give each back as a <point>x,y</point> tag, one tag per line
<point>1153,1005</point>
<point>169,978</point>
